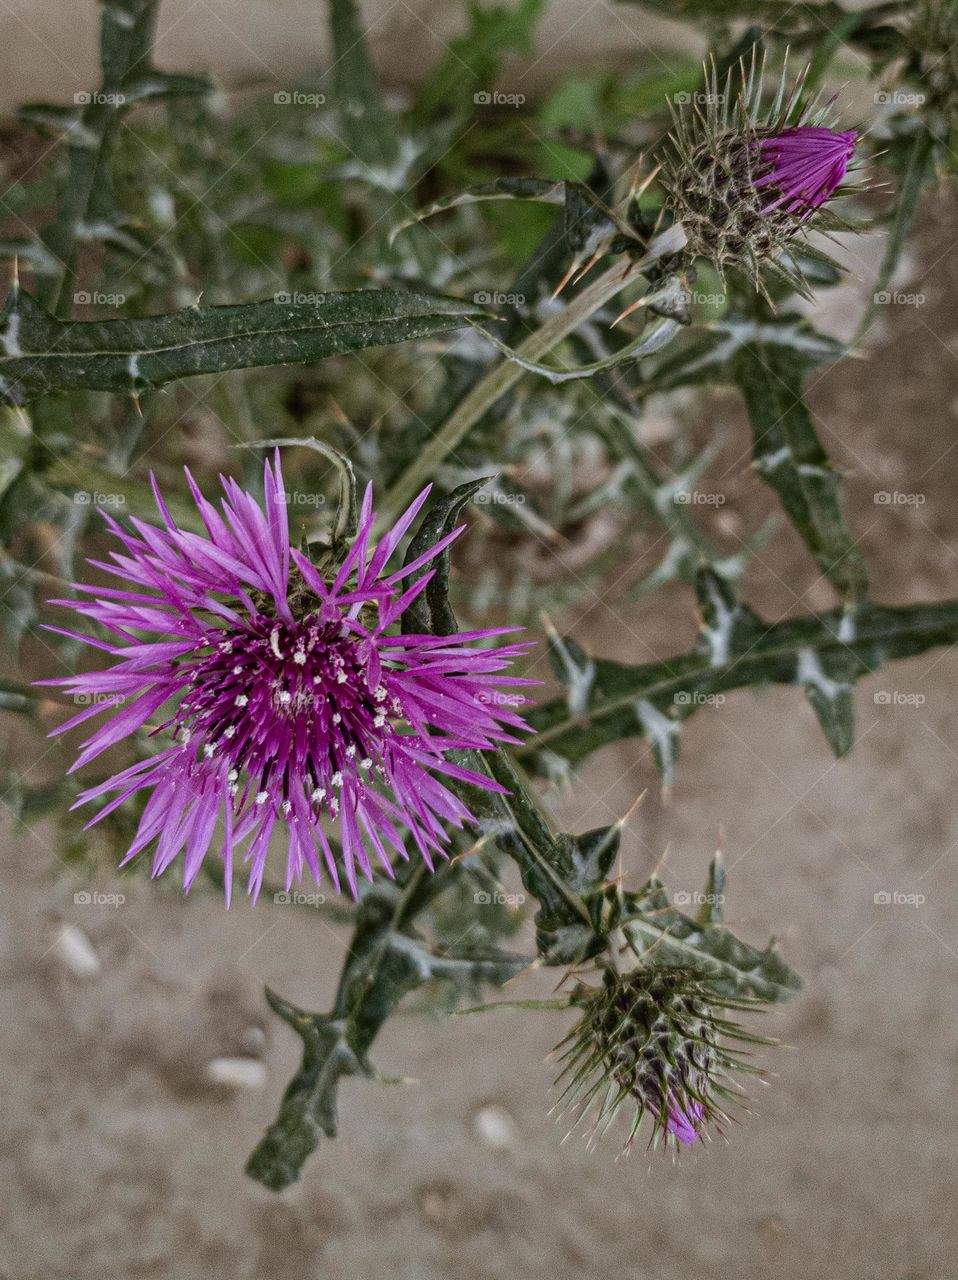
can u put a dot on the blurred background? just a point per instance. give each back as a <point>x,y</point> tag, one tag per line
<point>140,1062</point>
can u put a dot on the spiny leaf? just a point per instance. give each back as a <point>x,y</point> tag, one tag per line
<point>790,459</point>
<point>668,937</point>
<point>432,612</point>
<point>40,354</point>
<point>813,652</point>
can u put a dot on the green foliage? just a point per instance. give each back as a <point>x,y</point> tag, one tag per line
<point>42,354</point>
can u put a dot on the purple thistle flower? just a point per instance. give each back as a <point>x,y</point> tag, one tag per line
<point>684,1118</point>
<point>286,695</point>
<point>805,166</point>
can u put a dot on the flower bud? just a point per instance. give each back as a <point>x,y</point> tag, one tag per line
<point>744,183</point>
<point>655,1040</point>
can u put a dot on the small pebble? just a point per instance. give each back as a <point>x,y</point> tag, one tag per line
<point>75,952</point>
<point>237,1073</point>
<point>495,1127</point>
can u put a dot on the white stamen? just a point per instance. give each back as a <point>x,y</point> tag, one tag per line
<point>274,642</point>
<point>299,658</point>
<point>337,718</point>
<point>237,671</point>
<point>366,763</point>
<point>380,693</point>
<point>232,775</point>
<point>228,733</point>
<point>209,750</point>
<point>318,794</point>
<point>285,697</point>
<point>262,797</point>
<point>350,751</point>
<point>337,779</point>
<point>287,806</point>
<point>241,700</point>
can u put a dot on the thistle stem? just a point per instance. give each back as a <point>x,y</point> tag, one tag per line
<point>503,375</point>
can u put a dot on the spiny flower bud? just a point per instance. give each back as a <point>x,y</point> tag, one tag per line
<point>744,181</point>
<point>655,1040</point>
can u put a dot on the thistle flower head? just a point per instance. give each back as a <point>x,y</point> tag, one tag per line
<point>656,1042</point>
<point>745,180</point>
<point>283,694</point>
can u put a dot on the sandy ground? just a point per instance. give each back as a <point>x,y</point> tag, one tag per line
<point>120,1159</point>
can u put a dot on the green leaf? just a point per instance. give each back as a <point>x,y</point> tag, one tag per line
<point>652,925</point>
<point>814,652</point>
<point>432,612</point>
<point>367,128</point>
<point>40,354</point>
<point>790,459</point>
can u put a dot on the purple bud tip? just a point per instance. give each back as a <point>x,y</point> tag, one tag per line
<point>803,166</point>
<point>684,1119</point>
